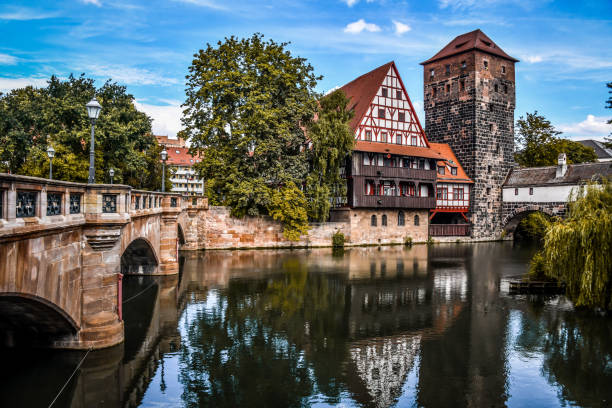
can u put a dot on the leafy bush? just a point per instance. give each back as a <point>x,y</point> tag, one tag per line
<point>338,240</point>
<point>430,241</point>
<point>408,241</point>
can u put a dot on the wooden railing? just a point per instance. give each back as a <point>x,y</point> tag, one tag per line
<point>395,172</point>
<point>393,202</point>
<point>449,230</point>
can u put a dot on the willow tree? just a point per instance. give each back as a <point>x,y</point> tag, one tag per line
<point>577,249</point>
<point>332,141</point>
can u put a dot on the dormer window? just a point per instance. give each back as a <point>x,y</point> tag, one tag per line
<point>454,171</point>
<point>486,64</point>
<point>431,73</point>
<point>441,170</point>
<point>384,92</point>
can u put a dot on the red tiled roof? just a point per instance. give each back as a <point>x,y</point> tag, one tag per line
<point>445,151</point>
<point>474,40</point>
<point>413,151</point>
<point>362,90</point>
<point>179,156</point>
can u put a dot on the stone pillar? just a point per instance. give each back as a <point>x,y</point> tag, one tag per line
<point>168,245</point>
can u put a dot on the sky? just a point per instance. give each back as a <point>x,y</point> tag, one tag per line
<point>148,45</point>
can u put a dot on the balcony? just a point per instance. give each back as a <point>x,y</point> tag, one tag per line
<point>395,172</point>
<point>378,201</point>
<point>449,230</point>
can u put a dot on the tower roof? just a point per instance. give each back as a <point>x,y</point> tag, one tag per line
<point>362,90</point>
<point>474,40</point>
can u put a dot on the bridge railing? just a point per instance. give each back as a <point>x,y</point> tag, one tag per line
<point>146,202</point>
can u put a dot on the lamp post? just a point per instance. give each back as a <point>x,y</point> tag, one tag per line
<point>164,156</point>
<point>111,173</point>
<point>93,110</point>
<point>51,155</point>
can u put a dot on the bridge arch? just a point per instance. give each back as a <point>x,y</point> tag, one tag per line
<point>180,234</point>
<point>139,258</point>
<point>511,220</point>
<point>33,319</point>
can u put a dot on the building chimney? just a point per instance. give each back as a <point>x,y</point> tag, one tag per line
<point>561,165</point>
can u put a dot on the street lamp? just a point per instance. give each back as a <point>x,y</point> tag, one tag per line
<point>111,173</point>
<point>51,155</point>
<point>164,156</point>
<point>93,110</point>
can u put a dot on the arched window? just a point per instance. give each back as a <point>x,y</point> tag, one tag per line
<point>400,219</point>
<point>383,222</point>
<point>373,221</point>
<point>416,220</point>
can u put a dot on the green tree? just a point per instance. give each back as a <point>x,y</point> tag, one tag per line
<point>538,144</point>
<point>288,205</point>
<point>31,119</point>
<point>248,102</point>
<point>332,141</point>
<point>577,249</point>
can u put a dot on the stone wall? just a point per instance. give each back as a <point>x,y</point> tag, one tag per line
<point>514,212</point>
<point>217,229</point>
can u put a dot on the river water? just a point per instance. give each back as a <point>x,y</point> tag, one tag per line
<point>368,327</point>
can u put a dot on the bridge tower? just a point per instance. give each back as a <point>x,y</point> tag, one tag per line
<point>469,100</point>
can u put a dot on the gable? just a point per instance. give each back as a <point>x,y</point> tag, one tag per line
<point>383,110</point>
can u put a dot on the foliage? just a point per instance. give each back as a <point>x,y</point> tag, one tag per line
<point>577,250</point>
<point>288,206</point>
<point>537,144</point>
<point>430,241</point>
<point>533,226</point>
<point>31,119</point>
<point>338,240</point>
<point>332,141</point>
<point>408,241</point>
<point>247,102</point>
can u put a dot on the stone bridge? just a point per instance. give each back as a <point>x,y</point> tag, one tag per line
<point>514,212</point>
<point>64,248</point>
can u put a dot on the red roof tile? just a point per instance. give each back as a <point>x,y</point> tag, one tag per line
<point>179,156</point>
<point>445,151</point>
<point>362,90</point>
<point>474,40</point>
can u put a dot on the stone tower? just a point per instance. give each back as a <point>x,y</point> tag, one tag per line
<point>469,104</point>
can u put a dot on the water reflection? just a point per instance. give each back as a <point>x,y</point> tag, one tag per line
<point>372,327</point>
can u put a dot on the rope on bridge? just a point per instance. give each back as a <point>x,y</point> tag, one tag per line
<point>69,378</point>
<point>139,293</point>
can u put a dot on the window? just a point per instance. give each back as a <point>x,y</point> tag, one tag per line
<point>505,89</point>
<point>489,169</point>
<point>370,187</point>
<point>416,220</point>
<point>388,188</point>
<point>384,92</point>
<point>431,73</point>
<point>398,139</point>
<point>516,191</point>
<point>442,193</point>
<point>486,64</point>
<point>373,221</point>
<point>447,88</point>
<point>454,171</point>
<point>495,87</point>
<point>447,67</point>
<point>530,190</point>
<point>441,170</point>
<point>497,148</point>
<point>462,85</point>
<point>488,190</point>
<point>463,65</point>
<point>383,220</point>
<point>421,163</point>
<point>368,135</point>
<point>503,69</point>
<point>458,194</point>
<point>433,91</point>
<point>489,205</point>
<point>401,116</point>
<point>490,127</point>
<point>381,113</point>
<point>398,94</point>
<point>383,137</point>
<point>401,221</point>
<point>413,140</point>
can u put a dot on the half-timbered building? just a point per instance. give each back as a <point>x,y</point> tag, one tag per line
<point>393,172</point>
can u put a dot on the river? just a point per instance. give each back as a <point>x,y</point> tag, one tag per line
<point>366,327</point>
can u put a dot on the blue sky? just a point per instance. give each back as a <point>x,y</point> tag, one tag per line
<point>564,46</point>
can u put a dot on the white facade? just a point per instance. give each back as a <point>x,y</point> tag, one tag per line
<point>185,180</point>
<point>539,194</point>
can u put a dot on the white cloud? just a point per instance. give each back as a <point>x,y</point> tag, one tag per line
<point>128,75</point>
<point>94,2</point>
<point>359,26</point>
<point>204,3</point>
<point>7,84</point>
<point>350,3</point>
<point>6,59</point>
<point>24,14</point>
<point>532,59</point>
<point>166,119</point>
<point>592,126</point>
<point>401,28</point>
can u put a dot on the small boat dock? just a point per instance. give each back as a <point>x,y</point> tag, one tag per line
<point>522,285</point>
